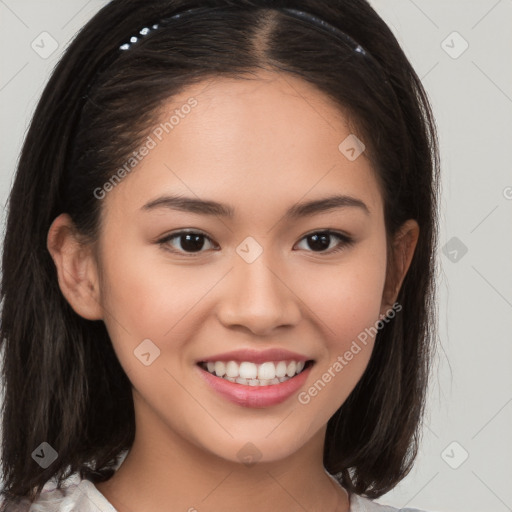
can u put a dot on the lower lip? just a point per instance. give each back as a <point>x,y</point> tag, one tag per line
<point>255,396</point>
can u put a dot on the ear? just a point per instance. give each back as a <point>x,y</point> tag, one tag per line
<point>403,246</point>
<point>76,268</point>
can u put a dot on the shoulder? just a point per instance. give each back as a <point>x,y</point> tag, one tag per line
<point>360,504</point>
<point>74,494</point>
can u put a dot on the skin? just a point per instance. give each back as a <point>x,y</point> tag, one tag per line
<point>260,146</point>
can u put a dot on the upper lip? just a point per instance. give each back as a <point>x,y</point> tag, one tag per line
<point>257,356</point>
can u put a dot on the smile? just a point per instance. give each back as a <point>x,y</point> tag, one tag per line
<point>250,374</point>
<point>254,385</point>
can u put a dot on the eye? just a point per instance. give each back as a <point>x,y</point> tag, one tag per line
<point>191,242</point>
<point>319,241</point>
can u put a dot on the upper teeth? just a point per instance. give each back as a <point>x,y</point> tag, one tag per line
<point>247,370</point>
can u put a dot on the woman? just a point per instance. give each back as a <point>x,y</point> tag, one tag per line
<point>218,264</point>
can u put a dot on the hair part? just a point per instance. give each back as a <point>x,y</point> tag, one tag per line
<point>63,382</point>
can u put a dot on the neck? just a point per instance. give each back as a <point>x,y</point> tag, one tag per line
<point>180,475</point>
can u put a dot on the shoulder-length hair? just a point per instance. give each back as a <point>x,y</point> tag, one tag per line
<point>63,383</point>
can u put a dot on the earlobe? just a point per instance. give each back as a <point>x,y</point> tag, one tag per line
<point>76,268</point>
<point>403,248</point>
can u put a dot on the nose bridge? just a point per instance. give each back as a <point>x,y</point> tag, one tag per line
<point>257,295</point>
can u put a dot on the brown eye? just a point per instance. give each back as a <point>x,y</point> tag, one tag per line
<point>320,241</point>
<point>186,242</point>
<point>193,242</point>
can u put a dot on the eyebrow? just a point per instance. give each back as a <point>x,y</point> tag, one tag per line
<point>208,207</point>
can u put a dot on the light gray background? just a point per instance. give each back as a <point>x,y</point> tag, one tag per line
<point>470,401</point>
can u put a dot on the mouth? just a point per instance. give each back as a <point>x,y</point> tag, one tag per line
<point>247,373</point>
<point>255,385</point>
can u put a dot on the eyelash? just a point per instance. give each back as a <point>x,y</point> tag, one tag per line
<point>346,241</point>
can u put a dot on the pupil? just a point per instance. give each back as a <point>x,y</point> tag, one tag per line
<point>192,242</point>
<point>320,241</point>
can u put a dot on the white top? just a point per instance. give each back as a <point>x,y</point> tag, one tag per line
<point>81,495</point>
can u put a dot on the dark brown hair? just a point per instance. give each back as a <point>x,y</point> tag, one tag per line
<point>63,382</point>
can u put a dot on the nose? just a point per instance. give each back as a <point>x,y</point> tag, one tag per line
<point>258,297</point>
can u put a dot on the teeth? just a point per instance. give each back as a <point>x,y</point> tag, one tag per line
<point>248,370</point>
<point>281,369</point>
<point>266,371</point>
<point>291,369</point>
<point>220,369</point>
<point>232,369</point>
<point>251,374</point>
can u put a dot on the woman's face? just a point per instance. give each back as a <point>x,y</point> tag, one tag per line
<point>264,278</point>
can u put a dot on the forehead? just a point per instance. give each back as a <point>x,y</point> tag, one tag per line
<point>269,138</point>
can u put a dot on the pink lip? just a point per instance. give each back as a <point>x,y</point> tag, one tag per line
<point>255,396</point>
<point>256,356</point>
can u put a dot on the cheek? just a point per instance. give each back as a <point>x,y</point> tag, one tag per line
<point>346,298</point>
<point>149,297</point>
<point>156,302</point>
<point>355,304</point>
<point>346,313</point>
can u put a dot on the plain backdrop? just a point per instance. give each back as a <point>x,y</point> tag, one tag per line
<point>462,52</point>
